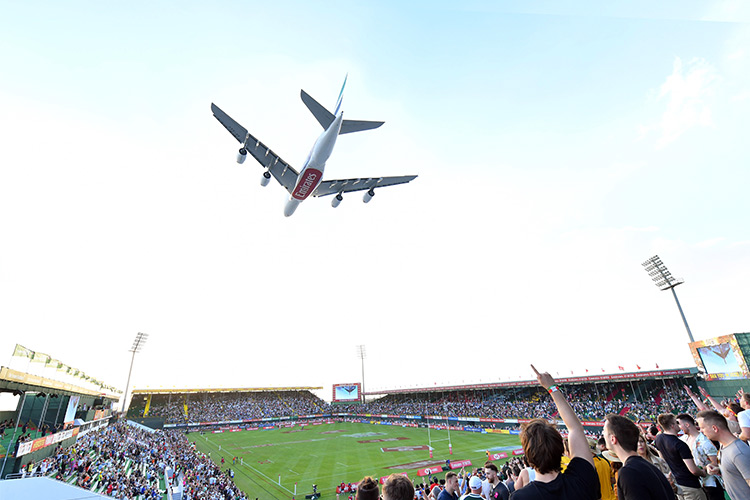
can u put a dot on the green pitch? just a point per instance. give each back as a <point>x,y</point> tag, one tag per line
<point>331,453</point>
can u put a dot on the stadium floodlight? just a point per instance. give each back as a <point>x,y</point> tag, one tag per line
<point>138,342</point>
<point>361,353</point>
<point>665,281</point>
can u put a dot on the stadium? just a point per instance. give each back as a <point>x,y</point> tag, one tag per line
<point>534,153</point>
<point>286,442</point>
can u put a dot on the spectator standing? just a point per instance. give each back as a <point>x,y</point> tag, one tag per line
<point>398,487</point>
<point>475,489</point>
<point>543,448</point>
<point>734,456</point>
<point>680,459</point>
<point>637,479</point>
<point>704,453</point>
<point>492,487</point>
<point>451,487</point>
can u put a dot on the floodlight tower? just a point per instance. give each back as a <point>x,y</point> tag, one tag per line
<point>665,281</point>
<point>361,353</point>
<point>138,342</point>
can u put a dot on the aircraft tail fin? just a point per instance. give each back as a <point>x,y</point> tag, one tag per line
<point>349,126</point>
<point>341,96</point>
<point>324,117</point>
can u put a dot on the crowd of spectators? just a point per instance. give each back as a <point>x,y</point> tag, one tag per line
<point>128,463</point>
<point>591,402</point>
<point>214,407</point>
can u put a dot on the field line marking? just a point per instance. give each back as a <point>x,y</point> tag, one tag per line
<point>275,483</point>
<point>290,470</point>
<point>339,463</point>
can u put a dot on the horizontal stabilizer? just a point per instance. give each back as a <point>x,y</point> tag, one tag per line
<point>324,117</point>
<point>349,126</point>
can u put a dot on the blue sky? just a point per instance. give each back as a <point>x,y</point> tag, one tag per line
<point>558,146</point>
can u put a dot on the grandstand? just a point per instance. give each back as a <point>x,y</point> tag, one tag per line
<point>69,433</point>
<point>48,412</point>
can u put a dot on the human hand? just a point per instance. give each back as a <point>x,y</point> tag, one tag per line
<point>545,379</point>
<point>713,469</point>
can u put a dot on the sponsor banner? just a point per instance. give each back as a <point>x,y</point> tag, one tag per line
<point>235,430</point>
<point>593,424</point>
<point>497,456</point>
<point>406,448</point>
<point>24,448</point>
<point>268,427</point>
<point>515,432</point>
<point>518,452</point>
<point>217,432</point>
<point>497,431</point>
<point>383,440</point>
<point>460,463</point>
<point>43,442</point>
<point>474,429</point>
<point>251,429</point>
<point>496,420</point>
<point>383,479</point>
<point>428,471</point>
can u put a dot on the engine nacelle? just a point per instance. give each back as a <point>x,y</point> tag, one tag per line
<point>336,201</point>
<point>265,179</point>
<point>241,156</point>
<point>368,196</point>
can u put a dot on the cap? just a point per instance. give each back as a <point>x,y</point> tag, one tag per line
<point>475,483</point>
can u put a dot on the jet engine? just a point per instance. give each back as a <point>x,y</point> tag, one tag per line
<point>336,201</point>
<point>368,196</point>
<point>265,179</point>
<point>241,156</point>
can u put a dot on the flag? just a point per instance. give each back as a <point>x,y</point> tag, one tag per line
<point>22,352</point>
<point>602,370</point>
<point>638,366</point>
<point>657,366</point>
<point>621,368</point>
<point>40,358</point>
<point>587,370</point>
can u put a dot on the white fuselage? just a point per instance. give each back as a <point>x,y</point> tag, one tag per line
<point>312,171</point>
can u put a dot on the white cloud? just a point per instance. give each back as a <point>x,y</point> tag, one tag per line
<point>687,93</point>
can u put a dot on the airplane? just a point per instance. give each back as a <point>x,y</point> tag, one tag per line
<point>309,182</point>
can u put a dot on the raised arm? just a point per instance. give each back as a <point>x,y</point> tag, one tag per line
<point>713,400</point>
<point>577,442</point>
<point>700,404</point>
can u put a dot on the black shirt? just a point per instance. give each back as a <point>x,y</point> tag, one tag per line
<point>578,482</point>
<point>675,451</point>
<point>640,480</point>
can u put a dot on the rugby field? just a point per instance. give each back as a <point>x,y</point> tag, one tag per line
<point>331,453</point>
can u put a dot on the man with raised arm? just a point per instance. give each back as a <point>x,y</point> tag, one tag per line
<point>543,447</point>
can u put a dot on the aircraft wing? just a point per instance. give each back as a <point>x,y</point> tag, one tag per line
<point>344,186</point>
<point>281,170</point>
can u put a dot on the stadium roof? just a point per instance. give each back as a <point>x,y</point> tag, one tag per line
<point>14,380</point>
<point>43,487</point>
<point>219,390</point>
<point>611,377</point>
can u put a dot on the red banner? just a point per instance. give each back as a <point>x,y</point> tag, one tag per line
<point>593,424</point>
<point>497,456</point>
<point>460,463</point>
<point>428,471</point>
<point>518,451</point>
<point>384,478</point>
